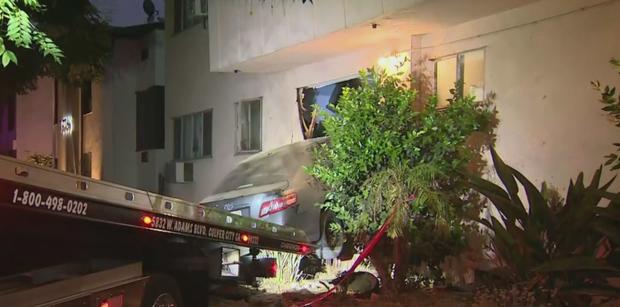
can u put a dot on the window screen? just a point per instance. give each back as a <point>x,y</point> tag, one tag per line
<point>249,126</point>
<point>193,136</point>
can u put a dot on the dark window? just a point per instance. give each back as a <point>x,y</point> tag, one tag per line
<point>87,160</point>
<point>150,128</point>
<point>86,97</point>
<point>249,126</point>
<point>193,135</point>
<point>325,98</point>
<point>188,13</point>
<point>207,133</point>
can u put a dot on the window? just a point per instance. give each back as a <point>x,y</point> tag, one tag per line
<point>188,13</point>
<point>87,160</point>
<point>467,67</point>
<point>193,136</point>
<point>150,125</point>
<point>324,97</point>
<point>249,126</point>
<point>86,97</point>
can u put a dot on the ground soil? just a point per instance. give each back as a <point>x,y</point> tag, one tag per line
<point>411,298</point>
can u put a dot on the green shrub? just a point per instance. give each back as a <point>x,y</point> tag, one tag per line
<point>560,247</point>
<point>384,153</point>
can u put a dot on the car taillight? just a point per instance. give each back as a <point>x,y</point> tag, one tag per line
<point>304,249</point>
<point>274,269</point>
<point>278,204</point>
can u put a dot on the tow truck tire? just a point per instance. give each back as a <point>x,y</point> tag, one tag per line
<point>161,291</point>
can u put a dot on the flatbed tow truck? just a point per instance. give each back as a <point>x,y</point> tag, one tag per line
<point>68,240</point>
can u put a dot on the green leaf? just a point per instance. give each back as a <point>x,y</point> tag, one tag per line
<point>539,209</point>
<point>12,56</point>
<point>5,59</point>
<point>505,175</point>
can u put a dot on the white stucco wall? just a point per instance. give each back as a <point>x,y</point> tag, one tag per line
<point>34,120</point>
<point>192,88</point>
<point>540,60</point>
<point>126,74</point>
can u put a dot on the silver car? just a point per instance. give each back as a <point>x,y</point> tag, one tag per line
<point>273,186</point>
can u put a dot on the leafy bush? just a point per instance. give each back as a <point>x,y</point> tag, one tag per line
<point>560,247</point>
<point>383,153</point>
<point>612,107</point>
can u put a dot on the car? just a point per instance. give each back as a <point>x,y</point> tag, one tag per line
<point>274,186</point>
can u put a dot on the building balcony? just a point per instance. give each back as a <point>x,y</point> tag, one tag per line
<point>269,36</point>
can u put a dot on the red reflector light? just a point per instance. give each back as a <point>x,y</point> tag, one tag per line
<point>115,301</point>
<point>274,269</point>
<point>245,238</point>
<point>304,249</point>
<point>277,204</point>
<point>147,220</point>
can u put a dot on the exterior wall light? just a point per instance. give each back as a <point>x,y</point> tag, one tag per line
<point>66,125</point>
<point>397,64</point>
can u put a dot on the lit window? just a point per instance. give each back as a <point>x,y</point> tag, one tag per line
<point>192,136</point>
<point>249,126</point>
<point>467,67</point>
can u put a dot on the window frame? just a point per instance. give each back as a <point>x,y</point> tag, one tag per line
<point>238,106</point>
<point>460,70</point>
<point>180,143</point>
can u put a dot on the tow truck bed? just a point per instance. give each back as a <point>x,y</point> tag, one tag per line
<point>49,192</point>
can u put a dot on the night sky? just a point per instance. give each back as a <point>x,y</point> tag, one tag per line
<point>126,12</point>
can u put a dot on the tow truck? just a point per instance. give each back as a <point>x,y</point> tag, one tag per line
<point>68,240</point>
